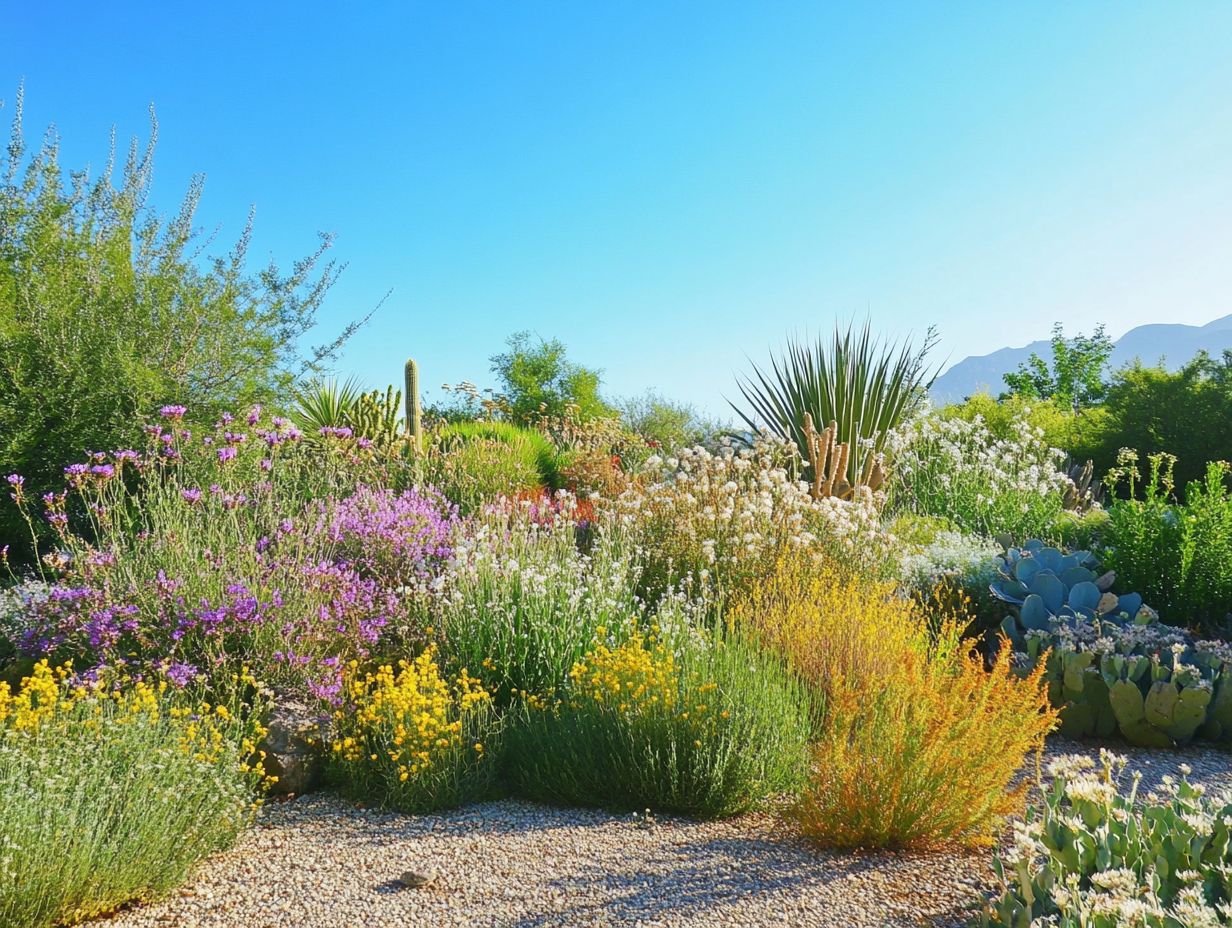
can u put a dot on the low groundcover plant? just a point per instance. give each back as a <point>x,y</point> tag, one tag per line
<point>1097,855</point>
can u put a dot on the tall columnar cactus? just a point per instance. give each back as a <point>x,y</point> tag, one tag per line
<point>414,414</point>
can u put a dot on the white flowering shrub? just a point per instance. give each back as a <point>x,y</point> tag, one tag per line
<point>1095,855</point>
<point>968,561</point>
<point>984,485</point>
<point>711,521</point>
<point>520,603</point>
<point>950,574</point>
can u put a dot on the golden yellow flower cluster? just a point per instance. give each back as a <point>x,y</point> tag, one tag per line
<point>409,717</point>
<point>49,701</point>
<point>630,677</point>
<point>642,676</point>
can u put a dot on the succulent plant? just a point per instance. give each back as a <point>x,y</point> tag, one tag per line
<point>1051,588</point>
<point>377,417</point>
<point>1111,666</point>
<point>1096,853</point>
<point>414,413</point>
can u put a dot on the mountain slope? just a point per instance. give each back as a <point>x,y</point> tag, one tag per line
<point>1173,343</point>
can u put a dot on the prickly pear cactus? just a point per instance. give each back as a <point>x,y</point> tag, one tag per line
<point>1111,666</point>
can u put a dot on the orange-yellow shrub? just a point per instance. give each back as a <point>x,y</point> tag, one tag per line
<point>919,742</point>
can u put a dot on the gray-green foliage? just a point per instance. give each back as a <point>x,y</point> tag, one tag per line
<point>103,812</point>
<point>1111,666</point>
<point>107,310</point>
<point>667,423</point>
<point>865,385</point>
<point>1097,855</point>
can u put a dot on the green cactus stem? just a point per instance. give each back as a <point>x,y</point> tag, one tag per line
<point>414,414</point>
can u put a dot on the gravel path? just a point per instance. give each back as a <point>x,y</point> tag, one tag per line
<point>320,863</point>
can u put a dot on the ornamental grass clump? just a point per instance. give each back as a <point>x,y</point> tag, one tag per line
<point>1094,854</point>
<point>701,727</point>
<point>919,743</point>
<point>112,790</point>
<point>408,739</point>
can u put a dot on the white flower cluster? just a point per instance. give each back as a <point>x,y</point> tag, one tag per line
<point>710,517</point>
<point>969,560</point>
<point>960,470</point>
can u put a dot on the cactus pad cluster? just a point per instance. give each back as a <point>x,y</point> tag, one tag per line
<point>1112,667</point>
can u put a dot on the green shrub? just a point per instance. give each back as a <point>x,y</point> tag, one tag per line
<point>1094,855</point>
<point>666,424</point>
<point>407,739</point>
<point>539,379</point>
<point>1177,555</point>
<point>1083,531</point>
<point>706,728</point>
<point>1187,413</point>
<point>106,313</point>
<point>110,798</point>
<point>473,463</point>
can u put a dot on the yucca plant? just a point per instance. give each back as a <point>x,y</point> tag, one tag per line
<point>327,404</point>
<point>864,384</point>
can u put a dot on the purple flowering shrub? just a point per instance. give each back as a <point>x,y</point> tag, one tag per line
<point>237,548</point>
<point>402,540</point>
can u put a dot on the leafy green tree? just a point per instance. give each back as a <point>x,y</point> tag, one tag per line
<point>666,423</point>
<point>107,311</point>
<point>1186,413</point>
<point>538,377</point>
<point>1075,376</point>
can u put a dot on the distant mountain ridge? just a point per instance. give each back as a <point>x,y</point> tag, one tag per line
<point>1174,342</point>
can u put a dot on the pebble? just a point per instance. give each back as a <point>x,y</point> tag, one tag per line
<point>318,862</point>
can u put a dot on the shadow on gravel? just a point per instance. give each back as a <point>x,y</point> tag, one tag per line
<point>707,877</point>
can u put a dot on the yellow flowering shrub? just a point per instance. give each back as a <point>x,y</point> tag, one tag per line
<point>919,741</point>
<point>144,780</point>
<point>409,739</point>
<point>631,677</point>
<point>702,727</point>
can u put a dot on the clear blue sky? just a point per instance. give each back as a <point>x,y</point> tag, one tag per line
<point>668,186</point>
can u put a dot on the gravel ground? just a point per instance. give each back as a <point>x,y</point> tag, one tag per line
<point>319,863</point>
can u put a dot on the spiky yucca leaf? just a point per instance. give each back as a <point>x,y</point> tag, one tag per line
<point>867,385</point>
<point>327,404</point>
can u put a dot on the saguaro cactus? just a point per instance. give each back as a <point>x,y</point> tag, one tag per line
<point>414,415</point>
